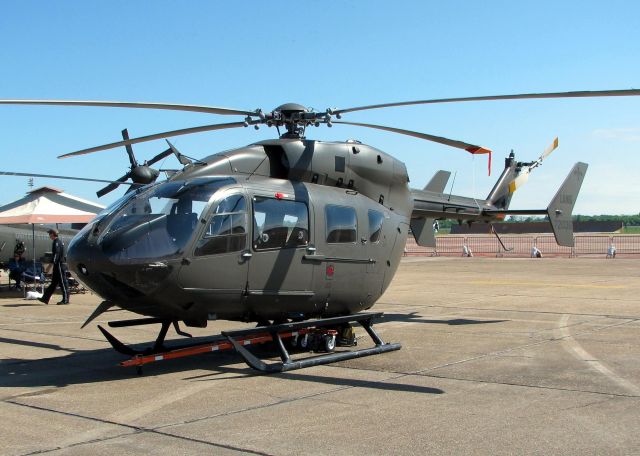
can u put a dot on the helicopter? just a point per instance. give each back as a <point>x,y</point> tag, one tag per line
<point>300,236</point>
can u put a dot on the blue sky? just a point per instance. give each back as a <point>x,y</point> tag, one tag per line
<point>250,54</point>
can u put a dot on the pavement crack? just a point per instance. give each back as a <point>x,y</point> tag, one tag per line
<point>520,347</point>
<point>134,429</point>
<point>40,392</point>
<point>482,309</point>
<point>77,444</point>
<point>524,385</point>
<point>571,344</point>
<point>252,408</point>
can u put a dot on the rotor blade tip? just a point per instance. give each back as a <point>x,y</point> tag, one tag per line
<point>478,150</point>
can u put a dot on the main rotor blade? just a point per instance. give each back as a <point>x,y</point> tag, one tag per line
<point>166,134</point>
<point>50,176</point>
<point>471,148</point>
<point>125,104</point>
<point>520,96</point>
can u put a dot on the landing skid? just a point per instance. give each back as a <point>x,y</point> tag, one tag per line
<point>287,364</point>
<point>238,340</point>
<point>158,346</point>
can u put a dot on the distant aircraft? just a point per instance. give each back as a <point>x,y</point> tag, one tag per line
<point>10,235</point>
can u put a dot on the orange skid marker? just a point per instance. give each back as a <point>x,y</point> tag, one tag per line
<point>218,346</point>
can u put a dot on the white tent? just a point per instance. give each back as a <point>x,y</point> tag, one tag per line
<point>49,205</point>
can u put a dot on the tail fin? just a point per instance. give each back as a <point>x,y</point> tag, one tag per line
<point>438,182</point>
<point>562,204</point>
<point>422,228</point>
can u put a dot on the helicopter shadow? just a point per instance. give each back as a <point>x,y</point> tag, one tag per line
<point>22,305</point>
<point>101,365</point>
<point>91,366</point>
<point>28,343</point>
<point>300,376</point>
<point>413,317</point>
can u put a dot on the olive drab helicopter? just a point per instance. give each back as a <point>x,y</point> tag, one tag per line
<point>300,236</point>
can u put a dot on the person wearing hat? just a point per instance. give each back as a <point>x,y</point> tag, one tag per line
<point>59,273</point>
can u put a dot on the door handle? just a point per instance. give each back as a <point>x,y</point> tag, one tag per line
<point>246,255</point>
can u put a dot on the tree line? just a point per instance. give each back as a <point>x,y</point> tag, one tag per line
<point>628,220</point>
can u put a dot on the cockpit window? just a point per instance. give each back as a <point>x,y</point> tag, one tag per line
<point>117,204</point>
<point>159,222</point>
<point>227,228</point>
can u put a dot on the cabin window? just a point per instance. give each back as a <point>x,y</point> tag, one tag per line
<point>342,224</point>
<point>227,228</point>
<point>375,226</point>
<point>279,223</point>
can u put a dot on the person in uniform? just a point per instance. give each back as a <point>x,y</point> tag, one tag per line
<point>59,273</point>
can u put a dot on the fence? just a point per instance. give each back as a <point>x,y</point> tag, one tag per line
<point>520,246</point>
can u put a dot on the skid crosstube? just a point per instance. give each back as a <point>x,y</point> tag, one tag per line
<point>287,364</point>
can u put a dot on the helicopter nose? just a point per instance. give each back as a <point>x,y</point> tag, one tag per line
<point>80,256</point>
<point>90,264</point>
<point>125,283</point>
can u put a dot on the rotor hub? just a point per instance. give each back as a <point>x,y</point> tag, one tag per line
<point>293,116</point>
<point>143,174</point>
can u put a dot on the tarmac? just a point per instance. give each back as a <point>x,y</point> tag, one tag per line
<point>499,357</point>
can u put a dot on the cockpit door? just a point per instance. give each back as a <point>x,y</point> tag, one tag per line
<point>217,263</point>
<point>278,273</point>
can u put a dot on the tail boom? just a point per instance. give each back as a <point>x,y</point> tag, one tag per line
<point>429,206</point>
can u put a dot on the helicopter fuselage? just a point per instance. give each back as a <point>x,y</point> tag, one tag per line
<point>284,229</point>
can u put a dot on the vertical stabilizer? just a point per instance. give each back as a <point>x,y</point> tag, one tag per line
<point>422,228</point>
<point>561,206</point>
<point>438,182</point>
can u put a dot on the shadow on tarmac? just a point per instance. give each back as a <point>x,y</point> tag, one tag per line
<point>299,375</point>
<point>413,317</point>
<point>20,305</point>
<point>28,343</point>
<point>94,366</point>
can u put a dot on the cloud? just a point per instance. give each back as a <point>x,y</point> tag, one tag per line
<point>620,134</point>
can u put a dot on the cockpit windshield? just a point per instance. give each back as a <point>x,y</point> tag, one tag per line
<point>159,222</point>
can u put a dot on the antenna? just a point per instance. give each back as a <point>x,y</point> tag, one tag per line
<point>452,183</point>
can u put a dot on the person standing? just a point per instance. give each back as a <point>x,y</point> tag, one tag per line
<point>59,273</point>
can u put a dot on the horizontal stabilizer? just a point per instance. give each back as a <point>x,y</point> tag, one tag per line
<point>438,182</point>
<point>562,204</point>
